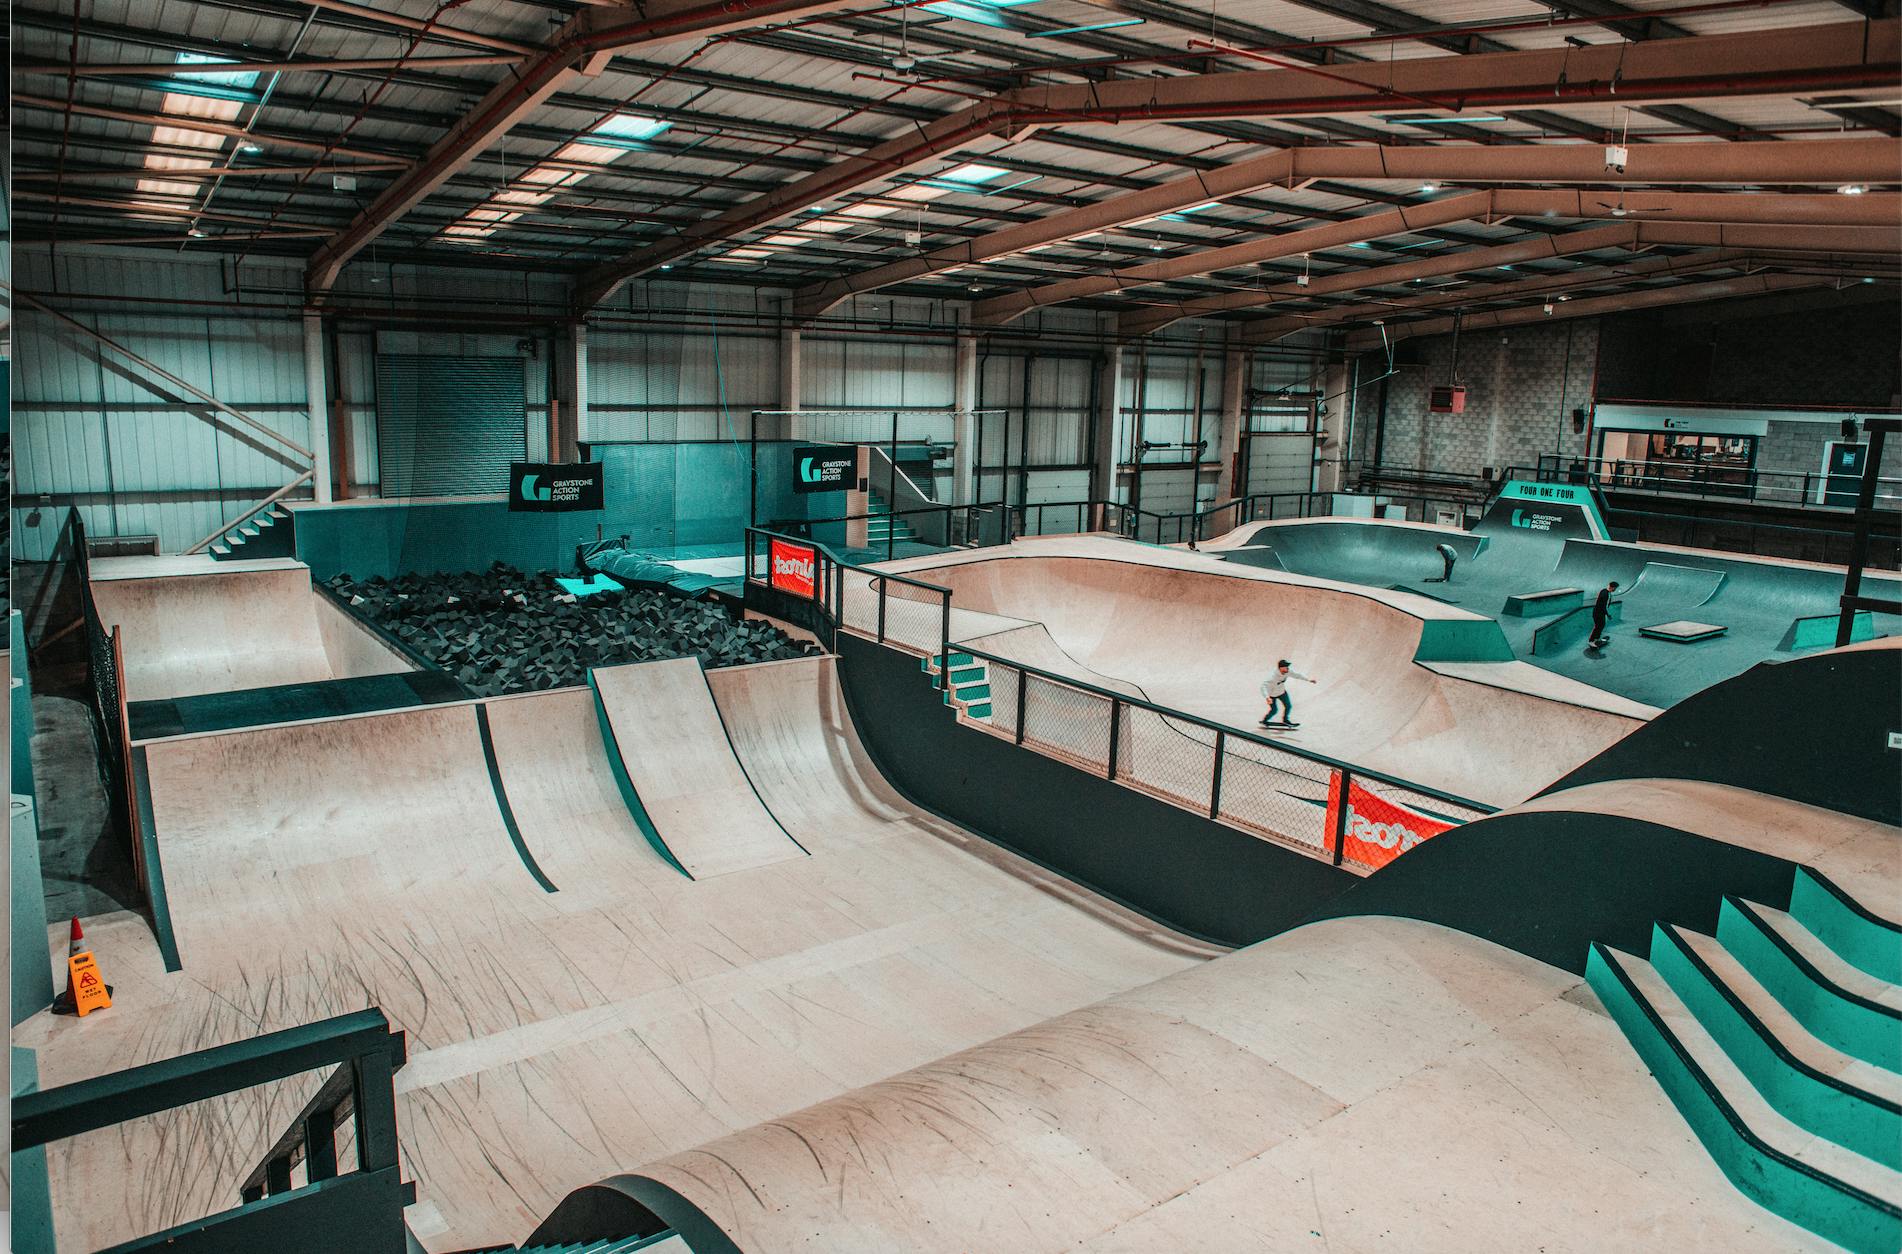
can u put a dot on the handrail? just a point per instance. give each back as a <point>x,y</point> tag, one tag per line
<point>226,529</point>
<point>1232,733</point>
<point>899,472</point>
<point>945,649</point>
<point>362,1209</point>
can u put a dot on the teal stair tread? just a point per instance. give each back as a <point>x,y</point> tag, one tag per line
<point>971,692</point>
<point>981,710</point>
<point>1863,937</point>
<point>1820,1056</point>
<point>1834,968</point>
<point>1822,1156</point>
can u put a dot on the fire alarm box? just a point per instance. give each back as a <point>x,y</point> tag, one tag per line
<point>1447,398</point>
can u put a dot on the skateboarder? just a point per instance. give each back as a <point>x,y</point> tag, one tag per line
<point>1275,689</point>
<point>1448,555</point>
<point>1601,612</point>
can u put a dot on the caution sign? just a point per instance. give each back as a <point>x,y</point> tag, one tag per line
<point>89,987</point>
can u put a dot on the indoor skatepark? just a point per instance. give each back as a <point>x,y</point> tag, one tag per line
<point>945,627</point>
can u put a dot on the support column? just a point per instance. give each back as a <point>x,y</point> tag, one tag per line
<point>570,366</point>
<point>1331,463</point>
<point>582,426</point>
<point>964,399</point>
<point>792,380</point>
<point>316,392</point>
<point>1109,409</point>
<point>1228,437</point>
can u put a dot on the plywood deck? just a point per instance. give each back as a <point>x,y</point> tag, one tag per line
<point>556,1038</point>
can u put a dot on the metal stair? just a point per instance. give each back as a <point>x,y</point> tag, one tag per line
<point>970,689</point>
<point>1779,1039</point>
<point>881,528</point>
<point>662,1243</point>
<point>267,535</point>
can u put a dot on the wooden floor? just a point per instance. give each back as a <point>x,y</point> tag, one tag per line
<point>1358,1085</point>
<point>555,1038</point>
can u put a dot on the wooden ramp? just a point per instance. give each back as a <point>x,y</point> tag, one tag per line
<point>555,1037</point>
<point>689,793</point>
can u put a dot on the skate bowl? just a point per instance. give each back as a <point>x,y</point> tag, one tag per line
<point>1406,685</point>
<point>190,630</point>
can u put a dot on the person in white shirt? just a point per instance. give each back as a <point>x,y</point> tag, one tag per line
<point>1275,689</point>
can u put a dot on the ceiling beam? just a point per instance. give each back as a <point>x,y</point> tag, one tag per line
<point>1779,62</point>
<point>1794,209</point>
<point>1873,240</point>
<point>1680,294</point>
<point>1825,162</point>
<point>581,48</point>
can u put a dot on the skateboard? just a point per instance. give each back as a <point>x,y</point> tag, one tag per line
<point>1598,645</point>
<point>1278,725</point>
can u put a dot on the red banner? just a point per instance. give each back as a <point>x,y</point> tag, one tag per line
<point>1378,830</point>
<point>792,568</point>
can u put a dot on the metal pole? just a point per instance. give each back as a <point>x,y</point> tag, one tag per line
<point>881,607</point>
<point>1340,817</point>
<point>1023,687</point>
<point>944,650</point>
<point>1859,546</point>
<point>1215,788</point>
<point>752,482</point>
<point>1116,734</point>
<point>891,502</point>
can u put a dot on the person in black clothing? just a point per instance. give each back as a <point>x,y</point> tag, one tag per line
<point>1601,612</point>
<point>1448,556</point>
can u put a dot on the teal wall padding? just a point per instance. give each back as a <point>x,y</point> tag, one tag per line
<point>658,495</point>
<point>1861,939</point>
<point>20,707</point>
<point>1855,1025</point>
<point>32,1193</point>
<point>1783,1185</point>
<point>1462,640</point>
<point>31,963</point>
<point>1811,1099</point>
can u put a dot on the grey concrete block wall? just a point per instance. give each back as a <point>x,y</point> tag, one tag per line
<point>1521,387</point>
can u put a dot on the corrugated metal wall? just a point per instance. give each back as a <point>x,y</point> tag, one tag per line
<point>136,455</point>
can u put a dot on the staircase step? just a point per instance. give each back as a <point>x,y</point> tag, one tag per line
<point>1857,934</point>
<point>981,710</point>
<point>1809,1180</point>
<point>930,662</point>
<point>971,692</point>
<point>1856,1104</point>
<point>1848,1008</point>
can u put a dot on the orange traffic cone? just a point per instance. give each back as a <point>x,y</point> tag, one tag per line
<point>86,989</point>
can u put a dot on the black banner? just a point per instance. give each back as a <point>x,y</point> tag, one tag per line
<point>825,468</point>
<point>554,487</point>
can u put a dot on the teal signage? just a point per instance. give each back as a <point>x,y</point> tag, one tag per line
<point>1565,510</point>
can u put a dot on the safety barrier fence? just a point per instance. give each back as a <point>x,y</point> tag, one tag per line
<point>1706,481</point>
<point>105,674</point>
<point>297,1201</point>
<point>1323,807</point>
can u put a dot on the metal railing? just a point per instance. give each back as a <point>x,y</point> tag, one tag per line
<point>1706,481</point>
<point>105,676</point>
<point>1235,777</point>
<point>354,1210</point>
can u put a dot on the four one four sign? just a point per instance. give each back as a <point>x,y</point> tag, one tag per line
<point>792,568</point>
<point>1377,830</point>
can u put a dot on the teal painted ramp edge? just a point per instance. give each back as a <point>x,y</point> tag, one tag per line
<point>1855,1025</point>
<point>1860,937</point>
<point>161,908</point>
<point>1818,631</point>
<point>32,1190</point>
<point>1768,1177</point>
<point>1812,1100</point>
<point>1462,640</point>
<point>625,783</point>
<point>502,802</point>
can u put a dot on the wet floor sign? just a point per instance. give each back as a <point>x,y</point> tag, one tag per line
<point>89,989</point>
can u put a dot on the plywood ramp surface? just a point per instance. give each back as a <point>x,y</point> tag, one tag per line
<point>1355,1085</point>
<point>187,635</point>
<point>556,1038</point>
<point>674,749</point>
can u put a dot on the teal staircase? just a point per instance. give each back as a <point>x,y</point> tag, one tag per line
<point>267,535</point>
<point>970,684</point>
<point>881,528</point>
<point>1779,1040</point>
<point>664,1243</point>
